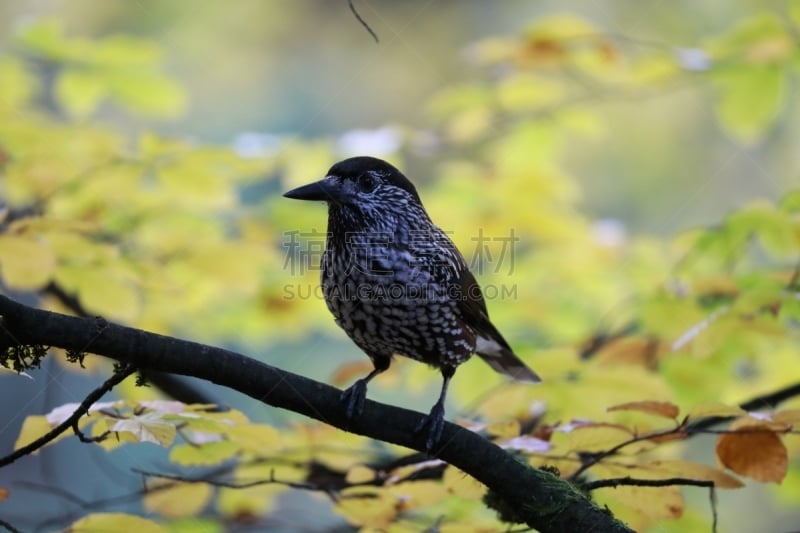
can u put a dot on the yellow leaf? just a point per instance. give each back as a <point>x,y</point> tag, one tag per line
<point>256,500</point>
<point>255,438</point>
<point>175,499</point>
<point>597,437</point>
<point>417,494</point>
<point>148,427</point>
<point>17,85</point>
<point>4,493</point>
<point>260,471</point>
<point>787,416</point>
<point>690,470</point>
<point>206,454</point>
<point>704,410</point>
<point>524,92</point>
<point>360,474</point>
<point>34,427</point>
<point>654,503</point>
<point>462,485</point>
<point>367,506</point>
<point>112,296</point>
<point>103,522</point>
<point>80,92</point>
<point>193,183</point>
<point>665,409</point>
<point>753,450</point>
<point>504,430</point>
<point>148,93</point>
<point>25,263</point>
<point>751,98</point>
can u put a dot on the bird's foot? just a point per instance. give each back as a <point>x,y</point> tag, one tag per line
<point>354,398</point>
<point>434,422</point>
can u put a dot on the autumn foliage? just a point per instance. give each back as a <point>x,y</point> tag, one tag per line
<point>647,344</point>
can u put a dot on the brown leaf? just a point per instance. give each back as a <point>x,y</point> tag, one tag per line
<point>787,416</point>
<point>348,372</point>
<point>643,351</point>
<point>665,409</point>
<point>755,451</point>
<point>544,432</point>
<point>667,436</point>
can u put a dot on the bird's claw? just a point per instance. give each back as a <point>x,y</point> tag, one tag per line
<point>354,398</point>
<point>435,424</point>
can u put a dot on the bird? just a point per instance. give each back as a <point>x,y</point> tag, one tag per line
<point>397,284</point>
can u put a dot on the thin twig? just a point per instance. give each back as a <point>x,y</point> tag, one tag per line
<point>82,409</point>
<point>230,484</point>
<point>629,481</point>
<point>666,482</point>
<point>361,20</point>
<point>84,438</point>
<point>9,527</point>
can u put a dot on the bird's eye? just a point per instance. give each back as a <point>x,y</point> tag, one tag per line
<point>367,182</point>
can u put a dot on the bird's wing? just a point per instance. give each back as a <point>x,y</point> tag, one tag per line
<point>490,344</point>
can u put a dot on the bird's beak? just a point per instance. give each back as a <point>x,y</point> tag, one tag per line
<point>324,190</point>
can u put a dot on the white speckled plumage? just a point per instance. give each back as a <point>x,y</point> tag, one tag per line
<point>396,284</point>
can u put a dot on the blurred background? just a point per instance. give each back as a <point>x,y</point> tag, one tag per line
<point>640,130</point>
<point>308,69</point>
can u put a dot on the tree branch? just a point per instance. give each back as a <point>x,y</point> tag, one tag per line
<point>9,527</point>
<point>72,421</point>
<point>361,20</point>
<point>629,481</point>
<point>769,400</point>
<point>173,386</point>
<point>540,499</point>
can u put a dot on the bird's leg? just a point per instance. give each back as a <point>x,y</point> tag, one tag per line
<point>435,420</point>
<point>355,395</point>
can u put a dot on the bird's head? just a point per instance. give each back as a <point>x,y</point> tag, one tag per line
<point>362,188</point>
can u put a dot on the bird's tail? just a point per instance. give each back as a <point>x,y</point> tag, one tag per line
<point>503,360</point>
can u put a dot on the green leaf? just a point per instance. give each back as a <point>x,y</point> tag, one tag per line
<point>752,97</point>
<point>124,51</point>
<point>43,37</point>
<point>791,202</point>
<point>26,262</point>
<point>759,39</point>
<point>774,228</point>
<point>101,522</point>
<point>17,85</point>
<point>148,93</point>
<point>526,92</point>
<point>80,92</point>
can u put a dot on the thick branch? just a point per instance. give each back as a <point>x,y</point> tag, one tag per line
<point>173,386</point>
<point>542,500</point>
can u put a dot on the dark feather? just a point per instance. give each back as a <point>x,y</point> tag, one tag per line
<point>490,345</point>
